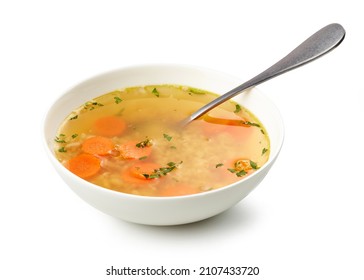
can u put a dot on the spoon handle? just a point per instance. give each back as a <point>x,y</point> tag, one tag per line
<point>320,43</point>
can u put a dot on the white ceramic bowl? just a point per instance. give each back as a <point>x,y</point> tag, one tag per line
<point>163,210</point>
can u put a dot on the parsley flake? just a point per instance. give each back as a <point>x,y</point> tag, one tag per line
<point>155,92</point>
<point>232,170</point>
<point>167,137</point>
<point>117,99</point>
<point>253,165</point>
<point>143,144</point>
<point>237,108</point>
<point>62,150</point>
<point>91,105</point>
<point>250,123</point>
<point>196,91</point>
<point>241,173</point>
<point>163,171</point>
<point>60,138</point>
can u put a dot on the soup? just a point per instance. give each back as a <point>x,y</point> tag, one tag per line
<point>130,141</point>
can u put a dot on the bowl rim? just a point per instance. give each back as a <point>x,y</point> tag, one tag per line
<point>97,188</point>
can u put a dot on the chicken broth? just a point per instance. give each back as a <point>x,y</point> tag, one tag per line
<point>129,141</point>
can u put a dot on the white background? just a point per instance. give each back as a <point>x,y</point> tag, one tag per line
<point>305,220</point>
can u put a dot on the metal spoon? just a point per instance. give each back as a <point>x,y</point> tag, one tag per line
<point>320,43</point>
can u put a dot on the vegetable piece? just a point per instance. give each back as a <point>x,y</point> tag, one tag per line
<point>97,145</point>
<point>242,164</point>
<point>253,164</point>
<point>231,122</point>
<point>84,165</point>
<point>236,126</point>
<point>132,150</point>
<point>60,139</point>
<point>167,137</point>
<point>62,150</point>
<point>143,144</point>
<point>196,91</point>
<point>155,92</point>
<point>240,173</point>
<point>264,151</point>
<point>163,171</point>
<point>109,126</point>
<point>135,173</point>
<point>117,99</point>
<point>91,105</point>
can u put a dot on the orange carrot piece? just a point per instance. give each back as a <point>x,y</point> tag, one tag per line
<point>109,126</point>
<point>134,174</point>
<point>223,121</point>
<point>236,127</point>
<point>177,190</point>
<point>97,145</point>
<point>130,150</point>
<point>84,165</point>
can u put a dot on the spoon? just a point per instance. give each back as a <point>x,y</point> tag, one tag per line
<point>320,43</point>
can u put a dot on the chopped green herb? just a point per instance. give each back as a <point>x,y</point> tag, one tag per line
<point>264,151</point>
<point>90,105</point>
<point>241,167</point>
<point>232,170</point>
<point>167,137</point>
<point>143,158</point>
<point>196,91</point>
<point>74,117</point>
<point>219,165</point>
<point>145,143</point>
<point>62,150</point>
<point>117,99</point>
<point>60,138</point>
<point>238,173</point>
<point>250,123</point>
<point>163,171</point>
<point>253,165</point>
<point>173,147</point>
<point>241,173</point>
<point>155,92</point>
<point>262,131</point>
<point>237,108</point>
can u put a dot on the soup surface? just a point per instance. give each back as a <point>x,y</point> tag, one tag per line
<point>129,141</point>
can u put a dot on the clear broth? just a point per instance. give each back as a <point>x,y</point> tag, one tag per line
<point>223,147</point>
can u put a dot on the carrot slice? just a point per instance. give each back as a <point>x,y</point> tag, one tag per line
<point>134,174</point>
<point>84,165</point>
<point>109,126</point>
<point>97,145</point>
<point>130,150</point>
<point>238,128</point>
<point>177,190</point>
